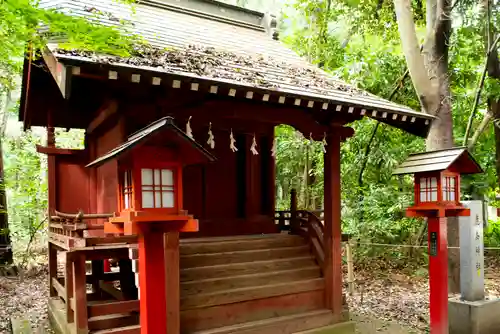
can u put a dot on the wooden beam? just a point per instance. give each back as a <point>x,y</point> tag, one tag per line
<point>109,109</point>
<point>115,307</point>
<point>111,290</point>
<point>68,281</point>
<point>60,72</point>
<point>112,323</point>
<point>106,277</point>
<point>52,270</point>
<point>332,225</point>
<point>57,151</point>
<point>123,239</point>
<point>61,291</point>
<point>172,282</point>
<point>97,272</point>
<point>80,294</point>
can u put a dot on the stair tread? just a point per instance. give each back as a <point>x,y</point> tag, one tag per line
<point>246,251</point>
<point>309,256</point>
<point>257,275</point>
<point>190,241</point>
<point>264,322</point>
<point>117,329</point>
<point>247,288</point>
<point>213,245</point>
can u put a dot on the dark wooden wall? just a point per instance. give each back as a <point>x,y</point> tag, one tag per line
<point>234,195</point>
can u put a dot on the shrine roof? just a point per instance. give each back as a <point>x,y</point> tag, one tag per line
<point>205,40</point>
<point>458,157</point>
<point>143,135</point>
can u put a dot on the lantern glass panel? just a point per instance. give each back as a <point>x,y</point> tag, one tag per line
<point>449,188</point>
<point>127,189</point>
<point>158,188</point>
<point>146,177</point>
<point>148,201</point>
<point>428,189</point>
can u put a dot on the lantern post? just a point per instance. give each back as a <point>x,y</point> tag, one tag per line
<point>437,196</point>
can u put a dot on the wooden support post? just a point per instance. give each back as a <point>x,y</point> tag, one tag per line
<point>152,283</point>
<point>51,165</point>
<point>172,282</point>
<point>127,279</point>
<point>438,275</point>
<point>69,284</point>
<point>52,268</point>
<point>80,294</point>
<point>332,229</point>
<point>350,268</point>
<point>293,211</point>
<point>97,273</point>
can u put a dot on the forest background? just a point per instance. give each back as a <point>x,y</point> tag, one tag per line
<point>357,40</point>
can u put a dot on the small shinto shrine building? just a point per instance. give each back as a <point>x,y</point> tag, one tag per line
<point>195,118</point>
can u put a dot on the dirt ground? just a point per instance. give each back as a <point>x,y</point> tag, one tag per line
<point>369,325</point>
<point>385,301</point>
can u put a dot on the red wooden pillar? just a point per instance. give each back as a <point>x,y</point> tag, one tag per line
<point>80,294</point>
<point>51,165</point>
<point>438,275</point>
<point>153,299</point>
<point>68,280</point>
<point>332,229</point>
<point>172,282</point>
<point>52,268</point>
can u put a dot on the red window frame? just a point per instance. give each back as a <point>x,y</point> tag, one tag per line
<point>428,189</point>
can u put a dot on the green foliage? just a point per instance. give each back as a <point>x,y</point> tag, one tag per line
<point>26,185</point>
<point>358,41</point>
<point>24,26</point>
<point>492,234</point>
<point>25,30</point>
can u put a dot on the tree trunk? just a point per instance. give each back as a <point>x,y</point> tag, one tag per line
<point>429,73</point>
<point>5,242</point>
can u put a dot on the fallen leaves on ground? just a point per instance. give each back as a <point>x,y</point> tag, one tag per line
<point>388,295</point>
<point>396,295</point>
<point>24,296</point>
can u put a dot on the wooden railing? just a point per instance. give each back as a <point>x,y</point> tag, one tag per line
<point>311,227</point>
<point>284,218</point>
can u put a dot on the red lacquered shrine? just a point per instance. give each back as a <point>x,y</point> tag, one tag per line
<point>179,148</point>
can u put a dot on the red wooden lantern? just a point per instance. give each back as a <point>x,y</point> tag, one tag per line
<point>150,166</point>
<point>437,196</point>
<point>437,181</point>
<point>150,201</point>
<point>150,185</point>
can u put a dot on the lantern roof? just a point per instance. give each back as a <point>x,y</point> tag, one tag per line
<point>459,159</point>
<point>161,133</point>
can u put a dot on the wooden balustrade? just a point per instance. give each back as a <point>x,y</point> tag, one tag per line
<point>311,228</point>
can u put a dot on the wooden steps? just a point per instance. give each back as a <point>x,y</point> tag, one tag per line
<point>253,292</point>
<point>198,260</point>
<point>112,321</point>
<point>248,280</point>
<point>242,268</point>
<point>278,325</point>
<point>250,284</point>
<point>135,329</point>
<point>238,243</point>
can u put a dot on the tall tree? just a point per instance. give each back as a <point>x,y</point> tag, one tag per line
<point>430,77</point>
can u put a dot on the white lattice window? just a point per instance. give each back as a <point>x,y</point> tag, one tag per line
<point>157,188</point>
<point>428,189</point>
<point>127,189</point>
<point>448,186</point>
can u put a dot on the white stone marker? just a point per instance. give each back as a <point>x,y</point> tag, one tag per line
<point>472,252</point>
